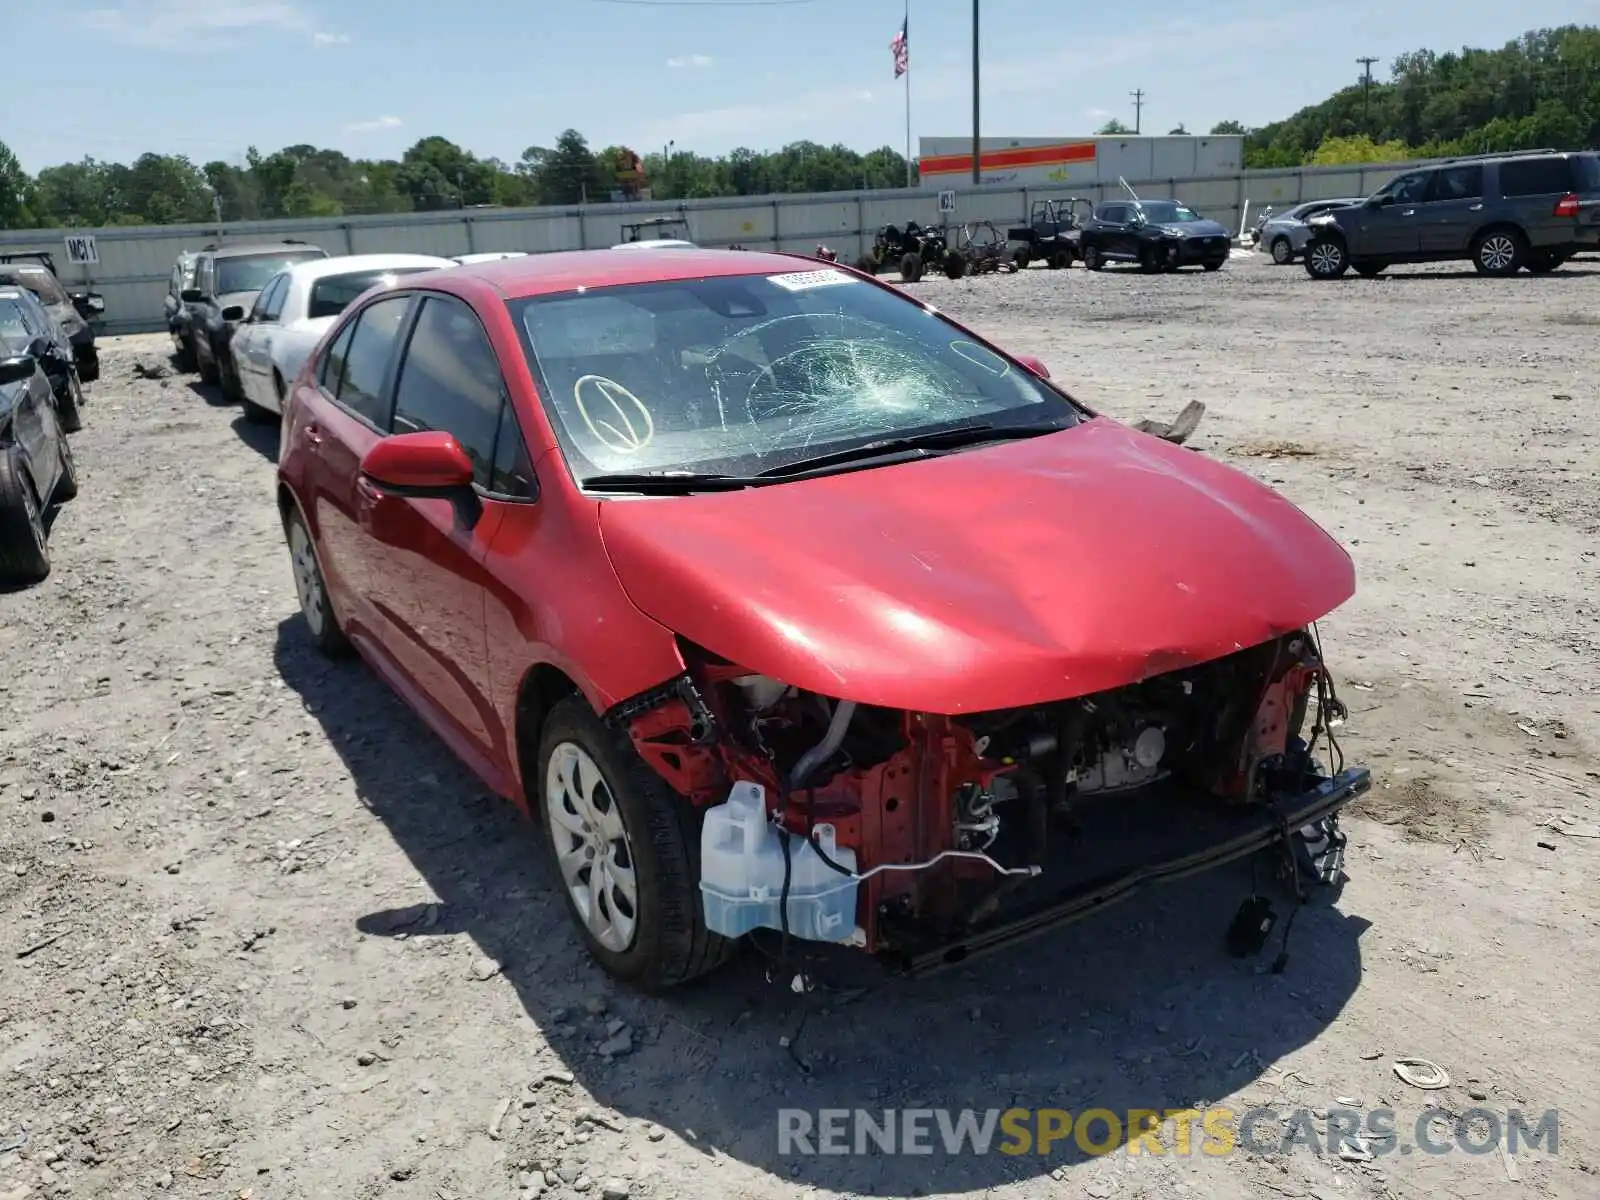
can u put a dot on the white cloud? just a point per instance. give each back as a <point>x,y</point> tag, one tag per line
<point>199,26</point>
<point>322,40</point>
<point>374,125</point>
<point>756,124</point>
<point>689,60</point>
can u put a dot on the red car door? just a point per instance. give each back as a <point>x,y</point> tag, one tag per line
<point>423,576</point>
<point>346,414</point>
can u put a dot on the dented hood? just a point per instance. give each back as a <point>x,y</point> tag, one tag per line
<point>989,578</point>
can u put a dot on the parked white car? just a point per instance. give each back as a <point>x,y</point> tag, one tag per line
<point>295,309</point>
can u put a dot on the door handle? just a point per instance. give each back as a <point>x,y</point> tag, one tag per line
<point>1410,212</point>
<point>314,436</point>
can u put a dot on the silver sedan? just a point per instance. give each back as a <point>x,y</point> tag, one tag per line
<point>1284,235</point>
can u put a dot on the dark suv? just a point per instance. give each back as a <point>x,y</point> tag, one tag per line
<point>225,276</point>
<point>1503,211</point>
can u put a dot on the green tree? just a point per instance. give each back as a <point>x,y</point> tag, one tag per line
<point>1341,151</point>
<point>1112,128</point>
<point>15,189</point>
<point>1224,127</point>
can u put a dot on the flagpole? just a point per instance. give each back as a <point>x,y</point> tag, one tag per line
<point>907,28</point>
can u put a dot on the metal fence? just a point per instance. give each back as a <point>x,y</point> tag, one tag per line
<point>135,262</point>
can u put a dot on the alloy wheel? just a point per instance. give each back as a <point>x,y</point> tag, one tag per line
<point>1326,258</point>
<point>1498,252</point>
<point>1282,252</point>
<point>592,846</point>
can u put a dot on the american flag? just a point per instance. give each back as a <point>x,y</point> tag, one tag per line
<point>901,48</point>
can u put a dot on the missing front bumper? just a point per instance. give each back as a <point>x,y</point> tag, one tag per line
<point>1258,829</point>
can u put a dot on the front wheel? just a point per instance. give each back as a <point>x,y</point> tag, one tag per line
<point>1022,258</point>
<point>1370,269</point>
<point>955,264</point>
<point>627,850</point>
<point>1326,258</point>
<point>910,268</point>
<point>1282,251</point>
<point>1091,258</point>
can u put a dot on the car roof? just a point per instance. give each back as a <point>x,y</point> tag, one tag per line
<point>565,270</point>
<point>344,264</point>
<point>9,292</point>
<point>262,248</point>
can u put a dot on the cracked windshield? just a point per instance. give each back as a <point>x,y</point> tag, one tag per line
<point>747,374</point>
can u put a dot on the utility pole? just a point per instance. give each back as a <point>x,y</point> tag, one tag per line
<point>1366,93</point>
<point>977,156</point>
<point>1138,108</point>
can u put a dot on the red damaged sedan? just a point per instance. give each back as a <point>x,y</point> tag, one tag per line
<point>783,602</point>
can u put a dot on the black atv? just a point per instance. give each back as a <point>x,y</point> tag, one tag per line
<point>913,249</point>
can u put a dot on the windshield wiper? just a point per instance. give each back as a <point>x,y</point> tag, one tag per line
<point>943,439</point>
<point>669,483</point>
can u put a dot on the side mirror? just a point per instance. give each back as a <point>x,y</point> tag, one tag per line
<point>234,312</point>
<point>426,464</point>
<point>1033,364</point>
<point>1381,201</point>
<point>191,295</point>
<point>16,368</point>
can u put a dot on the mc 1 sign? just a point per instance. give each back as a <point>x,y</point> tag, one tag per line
<point>82,250</point>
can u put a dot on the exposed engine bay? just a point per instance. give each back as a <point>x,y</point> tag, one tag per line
<point>949,818</point>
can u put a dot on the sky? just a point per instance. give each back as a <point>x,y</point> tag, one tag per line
<point>208,78</point>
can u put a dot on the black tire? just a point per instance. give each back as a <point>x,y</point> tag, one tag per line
<point>316,607</point>
<point>210,370</point>
<point>1326,258</point>
<point>669,942</point>
<point>867,265</point>
<point>955,264</point>
<point>910,268</point>
<point>228,377</point>
<point>1499,252</point>
<point>69,408</point>
<point>185,358</point>
<point>1091,258</point>
<point>24,544</point>
<point>1152,258</point>
<point>1370,269</point>
<point>1212,266</point>
<point>1282,251</point>
<point>1542,262</point>
<point>1061,260</point>
<point>1022,258</point>
<point>67,485</point>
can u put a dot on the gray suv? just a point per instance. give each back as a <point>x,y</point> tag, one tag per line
<point>1504,212</point>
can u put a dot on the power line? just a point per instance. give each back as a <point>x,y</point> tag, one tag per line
<point>1138,108</point>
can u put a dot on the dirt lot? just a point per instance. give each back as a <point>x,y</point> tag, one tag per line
<point>262,938</point>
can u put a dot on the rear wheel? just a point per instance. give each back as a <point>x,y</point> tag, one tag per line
<point>628,852</point>
<point>1542,262</point>
<point>955,264</point>
<point>312,589</point>
<point>24,547</point>
<point>1499,252</point>
<point>910,268</point>
<point>1326,258</point>
<point>1091,258</point>
<point>210,372</point>
<point>69,407</point>
<point>1370,269</point>
<point>1022,258</point>
<point>67,485</point>
<point>1282,251</point>
<point>185,353</point>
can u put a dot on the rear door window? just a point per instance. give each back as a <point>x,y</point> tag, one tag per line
<point>367,360</point>
<point>1535,177</point>
<point>1458,183</point>
<point>331,371</point>
<point>1587,168</point>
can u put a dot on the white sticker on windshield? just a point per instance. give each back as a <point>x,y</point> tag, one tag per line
<point>804,281</point>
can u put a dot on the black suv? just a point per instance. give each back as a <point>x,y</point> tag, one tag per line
<point>1534,209</point>
<point>225,276</point>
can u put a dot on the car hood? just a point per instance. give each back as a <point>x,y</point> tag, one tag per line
<point>1197,228</point>
<point>1008,575</point>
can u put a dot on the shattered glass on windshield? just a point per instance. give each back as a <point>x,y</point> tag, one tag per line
<point>746,373</point>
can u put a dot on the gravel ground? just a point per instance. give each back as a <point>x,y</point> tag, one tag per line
<point>263,938</point>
